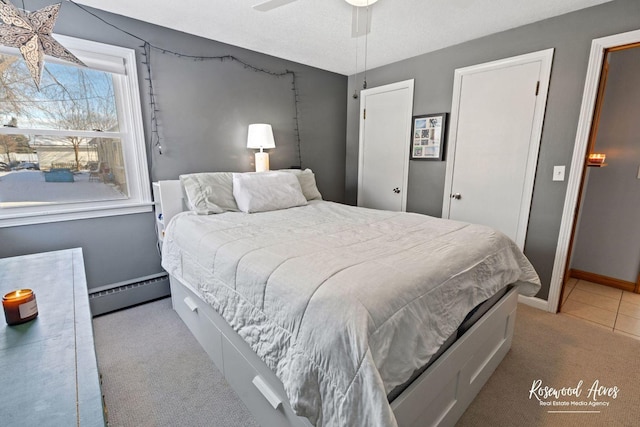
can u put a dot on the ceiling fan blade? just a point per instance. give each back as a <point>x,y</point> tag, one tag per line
<point>360,21</point>
<point>271,4</point>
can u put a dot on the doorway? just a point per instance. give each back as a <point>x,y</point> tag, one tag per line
<point>580,171</point>
<point>601,278</point>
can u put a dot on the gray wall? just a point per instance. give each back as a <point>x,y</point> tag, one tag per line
<point>571,36</point>
<point>205,108</point>
<point>608,235</point>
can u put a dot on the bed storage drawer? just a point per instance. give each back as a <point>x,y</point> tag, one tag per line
<point>256,385</point>
<point>445,390</point>
<point>268,404</point>
<point>193,312</point>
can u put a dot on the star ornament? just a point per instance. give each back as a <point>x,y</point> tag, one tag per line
<point>31,33</point>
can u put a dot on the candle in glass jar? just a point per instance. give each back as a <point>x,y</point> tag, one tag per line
<point>19,306</point>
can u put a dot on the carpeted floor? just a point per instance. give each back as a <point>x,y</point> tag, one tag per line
<point>156,374</point>
<point>560,351</point>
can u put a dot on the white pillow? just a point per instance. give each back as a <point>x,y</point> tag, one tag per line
<point>307,182</point>
<point>209,192</point>
<point>267,191</point>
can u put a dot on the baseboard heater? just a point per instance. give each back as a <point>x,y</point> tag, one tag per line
<point>105,299</point>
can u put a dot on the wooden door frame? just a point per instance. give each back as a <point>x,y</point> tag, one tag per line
<point>546,59</point>
<point>406,84</point>
<point>593,133</point>
<point>599,47</point>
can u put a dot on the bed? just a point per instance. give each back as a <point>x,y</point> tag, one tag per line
<point>324,314</point>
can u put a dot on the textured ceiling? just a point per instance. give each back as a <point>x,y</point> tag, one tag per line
<point>318,32</point>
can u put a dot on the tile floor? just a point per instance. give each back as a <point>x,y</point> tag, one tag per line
<point>612,308</point>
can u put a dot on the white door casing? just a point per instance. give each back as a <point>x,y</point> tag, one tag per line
<point>383,156</point>
<point>496,125</point>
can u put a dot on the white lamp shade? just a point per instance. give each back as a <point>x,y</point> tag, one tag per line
<point>361,3</point>
<point>260,136</point>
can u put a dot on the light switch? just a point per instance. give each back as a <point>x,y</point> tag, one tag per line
<point>558,173</point>
<point>638,172</point>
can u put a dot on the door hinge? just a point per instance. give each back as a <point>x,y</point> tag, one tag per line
<point>537,87</point>
<point>364,114</point>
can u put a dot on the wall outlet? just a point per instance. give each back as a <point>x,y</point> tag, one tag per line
<point>558,173</point>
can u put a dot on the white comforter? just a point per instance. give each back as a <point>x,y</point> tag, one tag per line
<point>342,303</point>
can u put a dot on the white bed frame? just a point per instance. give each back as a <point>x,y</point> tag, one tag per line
<point>438,397</point>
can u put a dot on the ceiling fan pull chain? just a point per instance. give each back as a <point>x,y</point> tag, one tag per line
<point>355,77</point>
<point>366,39</point>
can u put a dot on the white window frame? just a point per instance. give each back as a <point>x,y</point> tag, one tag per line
<point>122,63</point>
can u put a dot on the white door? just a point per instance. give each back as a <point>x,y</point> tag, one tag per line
<point>493,149</point>
<point>385,127</point>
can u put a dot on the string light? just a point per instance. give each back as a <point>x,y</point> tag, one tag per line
<point>147,47</point>
<point>155,134</point>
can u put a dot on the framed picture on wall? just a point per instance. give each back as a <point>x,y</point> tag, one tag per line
<point>427,136</point>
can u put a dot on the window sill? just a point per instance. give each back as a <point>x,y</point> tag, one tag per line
<point>73,214</point>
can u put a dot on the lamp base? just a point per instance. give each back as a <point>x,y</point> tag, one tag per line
<point>262,162</point>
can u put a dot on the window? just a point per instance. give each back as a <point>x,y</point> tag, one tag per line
<point>75,148</point>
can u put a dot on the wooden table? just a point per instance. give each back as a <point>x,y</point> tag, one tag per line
<point>48,370</point>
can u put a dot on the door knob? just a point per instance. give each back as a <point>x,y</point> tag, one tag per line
<point>396,190</point>
<point>456,196</point>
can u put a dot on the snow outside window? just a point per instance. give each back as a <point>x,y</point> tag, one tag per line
<point>75,148</point>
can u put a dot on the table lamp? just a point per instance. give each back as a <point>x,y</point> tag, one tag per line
<point>261,136</point>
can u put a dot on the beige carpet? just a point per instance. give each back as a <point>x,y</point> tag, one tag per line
<point>156,374</point>
<point>560,351</point>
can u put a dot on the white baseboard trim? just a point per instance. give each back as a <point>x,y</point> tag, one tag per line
<point>534,302</point>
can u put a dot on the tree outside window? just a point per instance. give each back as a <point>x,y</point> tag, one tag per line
<point>79,103</point>
<point>75,148</point>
